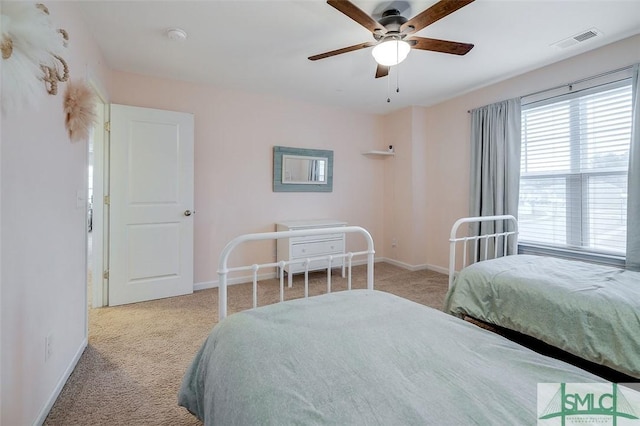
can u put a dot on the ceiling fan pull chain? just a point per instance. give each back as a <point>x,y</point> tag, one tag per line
<point>388,96</point>
<point>397,69</point>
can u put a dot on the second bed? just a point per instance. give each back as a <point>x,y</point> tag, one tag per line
<point>587,310</point>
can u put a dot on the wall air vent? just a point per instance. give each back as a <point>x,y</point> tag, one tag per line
<point>578,38</point>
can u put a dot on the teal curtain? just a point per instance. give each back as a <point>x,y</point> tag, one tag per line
<point>495,163</point>
<point>633,188</point>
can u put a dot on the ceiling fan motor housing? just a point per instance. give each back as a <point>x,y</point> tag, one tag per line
<point>392,21</point>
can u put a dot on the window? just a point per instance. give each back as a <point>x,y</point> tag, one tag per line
<point>573,176</point>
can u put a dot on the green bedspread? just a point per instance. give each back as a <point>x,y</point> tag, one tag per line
<point>588,310</point>
<point>364,357</point>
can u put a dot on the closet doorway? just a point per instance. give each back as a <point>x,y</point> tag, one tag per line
<point>97,178</point>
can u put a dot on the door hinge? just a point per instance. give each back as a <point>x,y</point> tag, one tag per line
<point>105,274</point>
<point>107,126</point>
<point>107,199</point>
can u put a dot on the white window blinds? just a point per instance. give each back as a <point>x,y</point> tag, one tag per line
<point>574,162</point>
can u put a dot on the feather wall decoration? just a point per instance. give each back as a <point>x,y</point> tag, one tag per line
<point>80,110</point>
<point>27,41</point>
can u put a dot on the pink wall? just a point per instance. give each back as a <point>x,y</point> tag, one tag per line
<point>406,187</point>
<point>235,133</point>
<point>419,188</point>
<point>398,214</point>
<point>43,261</point>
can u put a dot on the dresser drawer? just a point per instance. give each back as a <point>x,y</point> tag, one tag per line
<point>322,237</point>
<point>314,265</point>
<point>311,249</point>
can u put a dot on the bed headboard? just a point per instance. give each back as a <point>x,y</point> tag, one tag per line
<point>487,245</point>
<point>224,270</point>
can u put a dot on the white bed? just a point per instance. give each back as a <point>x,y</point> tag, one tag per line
<point>361,357</point>
<point>590,311</point>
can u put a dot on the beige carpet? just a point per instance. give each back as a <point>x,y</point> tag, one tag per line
<point>131,371</point>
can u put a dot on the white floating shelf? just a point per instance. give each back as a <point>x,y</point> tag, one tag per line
<point>380,153</point>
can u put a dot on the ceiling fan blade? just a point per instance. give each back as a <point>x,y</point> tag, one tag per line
<point>443,46</point>
<point>382,71</point>
<point>355,13</point>
<point>432,14</point>
<point>340,51</point>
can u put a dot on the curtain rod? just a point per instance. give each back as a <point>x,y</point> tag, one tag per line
<point>582,80</point>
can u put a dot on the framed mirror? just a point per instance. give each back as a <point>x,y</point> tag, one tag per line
<point>302,170</point>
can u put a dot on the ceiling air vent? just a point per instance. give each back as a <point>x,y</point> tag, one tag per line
<point>578,38</point>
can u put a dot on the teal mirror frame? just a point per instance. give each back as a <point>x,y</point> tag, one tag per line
<point>278,186</point>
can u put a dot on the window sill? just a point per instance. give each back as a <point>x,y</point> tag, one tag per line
<point>597,258</point>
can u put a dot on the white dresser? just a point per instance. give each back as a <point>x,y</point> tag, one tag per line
<point>306,247</point>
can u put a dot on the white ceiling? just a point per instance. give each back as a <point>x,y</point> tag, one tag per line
<point>263,46</point>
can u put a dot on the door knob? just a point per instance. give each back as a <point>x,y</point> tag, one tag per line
<point>187,212</point>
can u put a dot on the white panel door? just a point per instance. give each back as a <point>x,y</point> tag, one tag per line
<point>151,204</point>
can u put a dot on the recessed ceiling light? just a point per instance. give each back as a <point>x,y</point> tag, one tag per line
<point>176,34</point>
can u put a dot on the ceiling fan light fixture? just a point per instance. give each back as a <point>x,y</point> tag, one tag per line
<point>391,52</point>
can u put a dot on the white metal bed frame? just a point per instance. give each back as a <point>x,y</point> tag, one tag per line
<point>224,270</point>
<point>495,237</point>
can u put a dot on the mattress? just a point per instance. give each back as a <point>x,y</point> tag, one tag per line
<point>364,357</point>
<point>588,310</point>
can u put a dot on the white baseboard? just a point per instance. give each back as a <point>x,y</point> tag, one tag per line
<point>401,264</point>
<point>439,269</point>
<point>249,278</point>
<point>63,380</point>
<point>416,267</point>
<point>232,281</point>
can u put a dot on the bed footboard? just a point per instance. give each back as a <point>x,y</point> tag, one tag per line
<point>484,246</point>
<point>224,270</point>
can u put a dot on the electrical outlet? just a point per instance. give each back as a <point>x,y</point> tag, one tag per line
<point>48,346</point>
<point>394,242</point>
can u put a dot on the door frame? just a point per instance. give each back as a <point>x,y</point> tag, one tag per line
<point>100,217</point>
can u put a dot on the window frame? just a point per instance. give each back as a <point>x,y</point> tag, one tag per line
<point>576,182</point>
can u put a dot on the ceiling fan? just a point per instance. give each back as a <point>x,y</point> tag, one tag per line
<point>393,33</point>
